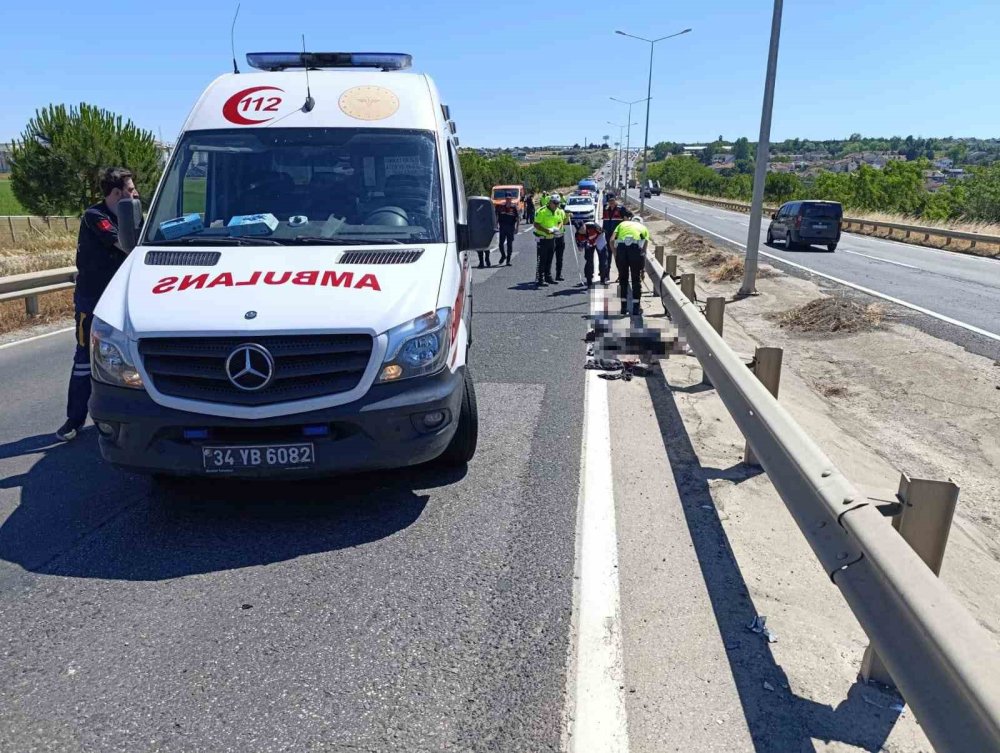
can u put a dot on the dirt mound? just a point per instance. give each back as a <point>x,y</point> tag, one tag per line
<point>728,268</point>
<point>689,243</point>
<point>836,314</point>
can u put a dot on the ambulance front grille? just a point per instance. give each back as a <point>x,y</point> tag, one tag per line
<point>305,366</point>
<point>405,256</point>
<point>183,258</point>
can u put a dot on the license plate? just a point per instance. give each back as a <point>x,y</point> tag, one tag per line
<point>239,457</point>
<point>820,226</point>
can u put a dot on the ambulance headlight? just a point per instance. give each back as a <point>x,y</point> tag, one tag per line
<point>418,347</point>
<point>109,359</point>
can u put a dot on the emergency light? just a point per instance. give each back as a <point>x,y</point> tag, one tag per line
<point>280,61</point>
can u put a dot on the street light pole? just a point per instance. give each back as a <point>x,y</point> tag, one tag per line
<point>628,137</point>
<point>649,94</point>
<point>618,156</point>
<point>763,152</point>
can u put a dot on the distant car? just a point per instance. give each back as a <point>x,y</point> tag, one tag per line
<point>801,224</point>
<point>581,208</point>
<point>647,193</point>
<point>656,188</point>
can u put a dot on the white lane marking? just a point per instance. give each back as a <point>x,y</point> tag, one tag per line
<point>861,288</point>
<point>598,719</point>
<point>879,258</point>
<point>36,337</point>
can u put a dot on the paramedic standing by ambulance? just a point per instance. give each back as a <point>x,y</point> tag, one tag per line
<point>548,224</point>
<point>98,256</point>
<point>628,245</point>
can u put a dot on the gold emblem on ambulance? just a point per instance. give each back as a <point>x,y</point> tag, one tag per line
<point>369,103</point>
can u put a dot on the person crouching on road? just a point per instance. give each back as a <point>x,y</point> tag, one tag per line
<point>507,226</point>
<point>628,244</point>
<point>98,256</point>
<point>548,224</point>
<point>590,238</point>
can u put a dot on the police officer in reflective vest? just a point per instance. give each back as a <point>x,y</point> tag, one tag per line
<point>548,224</point>
<point>628,244</point>
<point>98,256</point>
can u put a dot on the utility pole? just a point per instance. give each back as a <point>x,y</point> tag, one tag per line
<point>649,94</point>
<point>749,286</point>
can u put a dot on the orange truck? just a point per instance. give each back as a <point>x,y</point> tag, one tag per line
<point>515,193</point>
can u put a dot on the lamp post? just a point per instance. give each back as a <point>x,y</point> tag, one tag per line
<point>763,152</point>
<point>628,134</point>
<point>649,91</point>
<point>618,156</point>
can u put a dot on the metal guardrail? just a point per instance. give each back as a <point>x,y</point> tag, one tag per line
<point>33,284</point>
<point>861,223</point>
<point>945,664</point>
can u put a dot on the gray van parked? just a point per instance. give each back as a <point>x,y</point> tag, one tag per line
<point>801,224</point>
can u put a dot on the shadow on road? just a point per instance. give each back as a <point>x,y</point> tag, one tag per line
<point>80,517</point>
<point>778,720</point>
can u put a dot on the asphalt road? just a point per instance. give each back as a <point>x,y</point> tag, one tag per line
<point>959,287</point>
<point>411,610</point>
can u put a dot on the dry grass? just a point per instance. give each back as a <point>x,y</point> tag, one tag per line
<point>728,270</point>
<point>52,307</point>
<point>722,265</point>
<point>832,315</point>
<point>36,251</point>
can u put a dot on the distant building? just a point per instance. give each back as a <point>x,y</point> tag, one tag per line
<point>944,163</point>
<point>5,155</point>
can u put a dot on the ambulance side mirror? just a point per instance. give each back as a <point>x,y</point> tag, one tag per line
<point>129,221</point>
<point>477,235</point>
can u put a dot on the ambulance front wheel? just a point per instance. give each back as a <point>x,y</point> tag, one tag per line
<point>463,445</point>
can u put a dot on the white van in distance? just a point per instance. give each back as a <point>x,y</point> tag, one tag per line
<point>299,299</point>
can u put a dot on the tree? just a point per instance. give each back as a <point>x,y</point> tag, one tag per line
<point>983,194</point>
<point>782,187</point>
<point>57,164</point>
<point>741,148</point>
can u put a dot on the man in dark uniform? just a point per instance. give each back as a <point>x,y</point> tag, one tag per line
<point>529,210</point>
<point>98,256</point>
<point>507,225</point>
<point>613,215</point>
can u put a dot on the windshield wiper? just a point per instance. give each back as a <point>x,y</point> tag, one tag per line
<point>314,240</point>
<point>218,241</point>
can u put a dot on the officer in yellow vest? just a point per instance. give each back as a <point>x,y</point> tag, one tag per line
<point>628,246</point>
<point>548,225</point>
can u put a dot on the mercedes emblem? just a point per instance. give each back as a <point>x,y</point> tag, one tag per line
<point>250,367</point>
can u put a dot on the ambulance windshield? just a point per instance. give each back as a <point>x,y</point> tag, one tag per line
<point>289,185</point>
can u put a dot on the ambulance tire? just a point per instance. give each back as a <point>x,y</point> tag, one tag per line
<point>463,445</point>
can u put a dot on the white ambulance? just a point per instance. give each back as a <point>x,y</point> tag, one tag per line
<point>298,300</point>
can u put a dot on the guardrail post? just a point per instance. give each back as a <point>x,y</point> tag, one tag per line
<point>10,224</point>
<point>687,286</point>
<point>766,367</point>
<point>715,310</point>
<point>924,521</point>
<point>31,305</point>
<point>658,253</point>
<point>670,265</point>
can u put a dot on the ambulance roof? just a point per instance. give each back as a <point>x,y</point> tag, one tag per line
<point>344,98</point>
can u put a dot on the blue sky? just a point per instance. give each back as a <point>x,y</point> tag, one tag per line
<point>536,73</point>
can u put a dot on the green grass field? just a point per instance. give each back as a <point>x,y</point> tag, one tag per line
<point>8,204</point>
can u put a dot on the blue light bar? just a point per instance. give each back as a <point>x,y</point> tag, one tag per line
<point>316,430</point>
<point>196,434</point>
<point>281,61</point>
